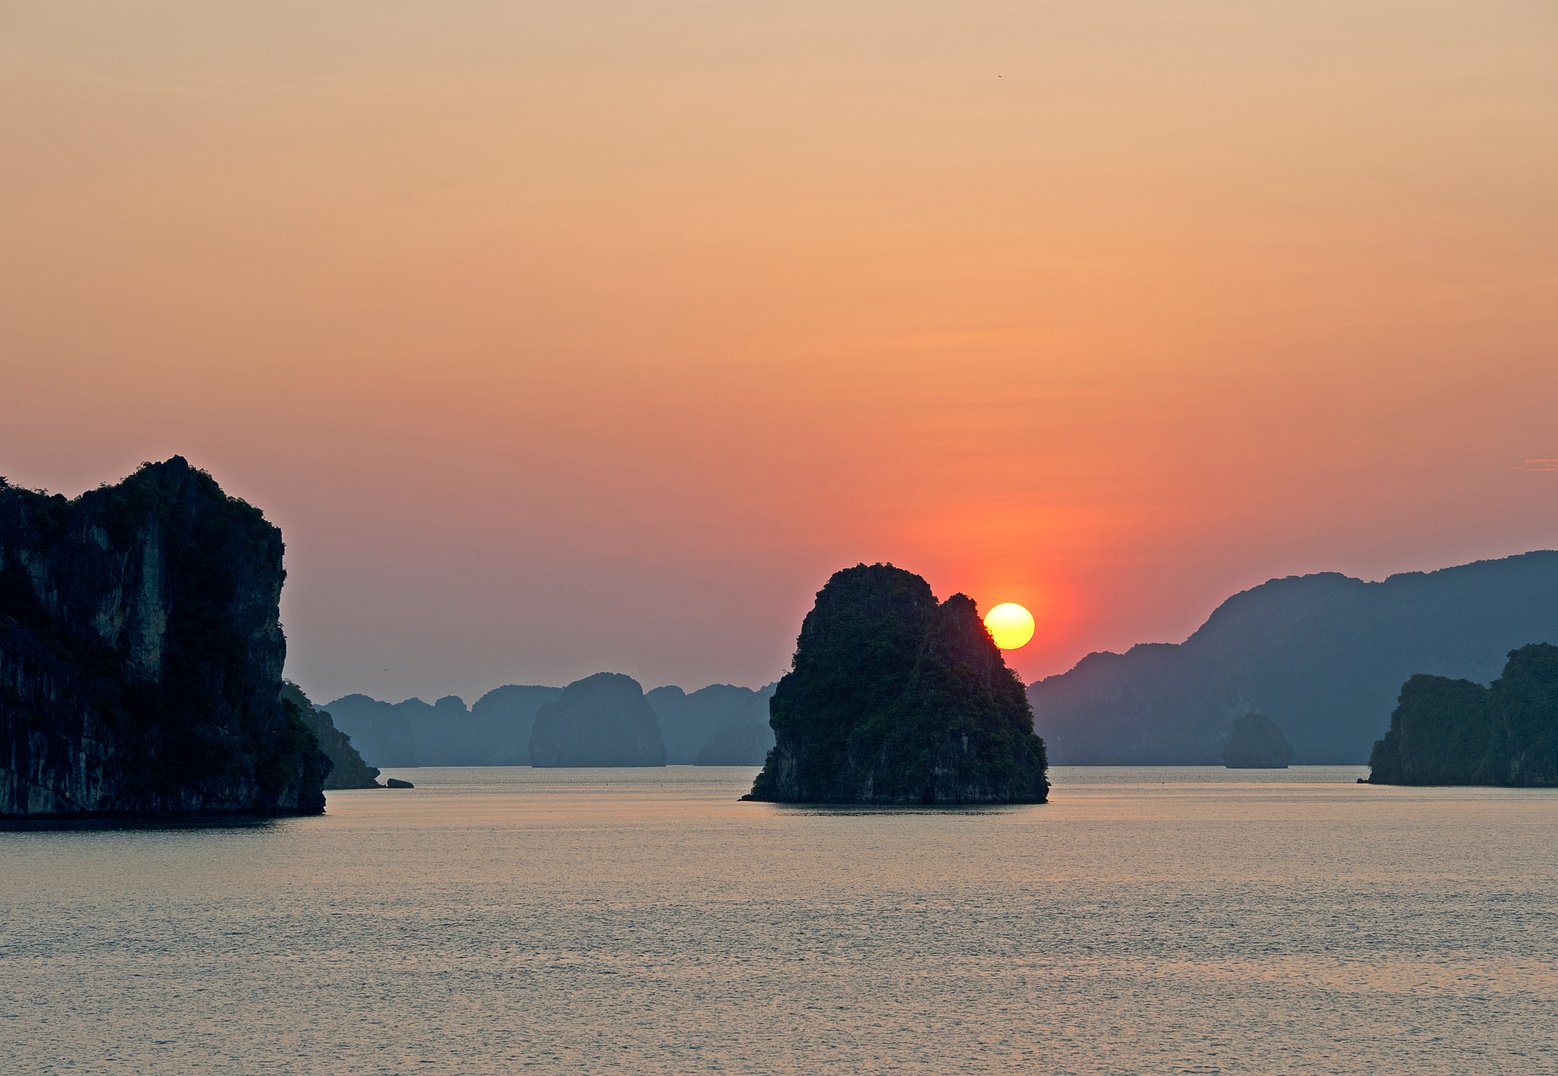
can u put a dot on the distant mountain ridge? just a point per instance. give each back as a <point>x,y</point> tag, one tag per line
<point>602,720</point>
<point>494,731</point>
<point>1324,656</point>
<point>718,725</point>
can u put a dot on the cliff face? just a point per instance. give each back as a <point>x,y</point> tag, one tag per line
<point>602,720</point>
<point>896,699</point>
<point>1323,656</point>
<point>141,654</point>
<point>1455,732</point>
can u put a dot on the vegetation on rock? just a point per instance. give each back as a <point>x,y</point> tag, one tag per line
<point>895,698</point>
<point>1455,732</point>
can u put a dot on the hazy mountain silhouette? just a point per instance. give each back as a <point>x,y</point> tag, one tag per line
<point>1256,743</point>
<point>495,731</point>
<point>602,720</point>
<point>719,725</point>
<point>1323,656</point>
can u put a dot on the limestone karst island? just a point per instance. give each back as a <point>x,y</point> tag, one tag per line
<point>141,654</point>
<point>1456,732</point>
<point>894,698</point>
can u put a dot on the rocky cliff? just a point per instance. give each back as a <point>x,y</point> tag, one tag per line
<point>602,720</point>
<point>1455,732</point>
<point>141,654</point>
<point>1321,655</point>
<point>894,698</point>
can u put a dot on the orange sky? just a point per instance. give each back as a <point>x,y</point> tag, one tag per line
<point>566,337</point>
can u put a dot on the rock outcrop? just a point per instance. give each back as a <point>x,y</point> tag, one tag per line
<point>1324,656</point>
<point>1455,732</point>
<point>141,654</point>
<point>602,720</point>
<point>1256,743</point>
<point>347,769</point>
<point>894,698</point>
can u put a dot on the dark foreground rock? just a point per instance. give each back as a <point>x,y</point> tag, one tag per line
<point>396,782</point>
<point>141,653</point>
<point>1455,732</point>
<point>1256,743</point>
<point>602,720</point>
<point>895,699</point>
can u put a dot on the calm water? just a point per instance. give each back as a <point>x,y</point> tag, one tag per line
<point>1157,920</point>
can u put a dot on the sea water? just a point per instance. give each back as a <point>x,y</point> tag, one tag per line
<point>1146,920</point>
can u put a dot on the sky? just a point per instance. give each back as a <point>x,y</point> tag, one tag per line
<point>569,337</point>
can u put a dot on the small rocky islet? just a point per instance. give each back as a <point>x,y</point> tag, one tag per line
<point>894,698</point>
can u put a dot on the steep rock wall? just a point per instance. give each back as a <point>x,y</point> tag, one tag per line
<point>141,652</point>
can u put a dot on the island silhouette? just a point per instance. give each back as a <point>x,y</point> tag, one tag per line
<point>895,698</point>
<point>142,650</point>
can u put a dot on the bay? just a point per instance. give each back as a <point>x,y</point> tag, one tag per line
<point>503,919</point>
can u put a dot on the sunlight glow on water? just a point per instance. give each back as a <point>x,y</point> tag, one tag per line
<point>1165,920</point>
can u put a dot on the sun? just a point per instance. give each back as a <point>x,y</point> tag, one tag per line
<point>1010,625</point>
